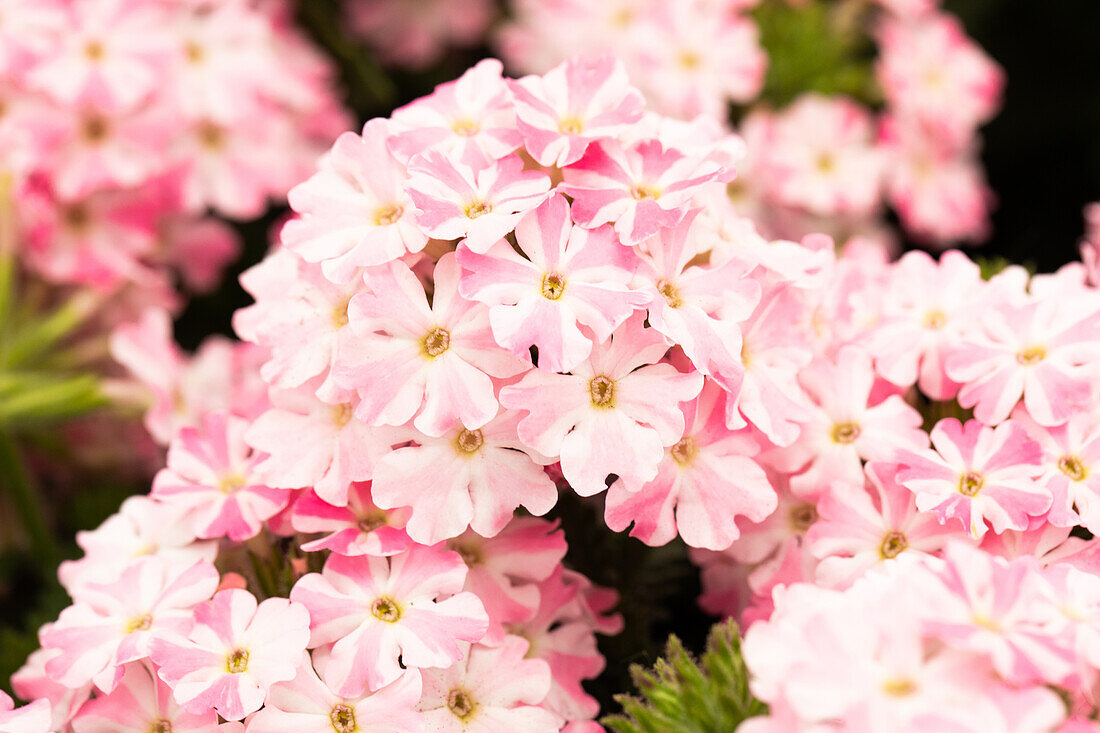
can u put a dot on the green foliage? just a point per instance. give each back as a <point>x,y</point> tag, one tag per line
<point>688,696</point>
<point>820,46</point>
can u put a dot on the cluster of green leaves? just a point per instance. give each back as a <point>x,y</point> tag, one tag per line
<point>818,46</point>
<point>680,693</point>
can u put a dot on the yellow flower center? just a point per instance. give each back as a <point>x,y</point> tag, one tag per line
<point>237,661</point>
<point>671,296</point>
<point>343,719</point>
<point>461,704</point>
<point>389,214</point>
<point>384,609</point>
<point>970,483</point>
<point>232,483</point>
<point>935,319</point>
<point>94,51</point>
<point>899,687</point>
<point>436,342</point>
<point>465,127</point>
<point>570,126</point>
<point>469,441</point>
<point>846,432</point>
<point>802,516</point>
<point>1031,356</point>
<point>1073,467</point>
<point>642,192</point>
<point>342,414</point>
<point>685,451</point>
<point>553,285</point>
<point>139,623</point>
<point>474,209</point>
<point>893,544</point>
<point>602,391</point>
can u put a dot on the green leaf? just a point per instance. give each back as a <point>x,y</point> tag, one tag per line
<point>681,694</point>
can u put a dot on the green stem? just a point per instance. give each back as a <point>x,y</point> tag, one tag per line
<point>16,482</point>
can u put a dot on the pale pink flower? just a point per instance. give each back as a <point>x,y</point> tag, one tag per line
<point>861,527</point>
<point>926,307</point>
<point>308,704</point>
<point>233,654</point>
<point>359,174</point>
<point>384,613</point>
<point>490,689</point>
<point>435,363</point>
<point>705,480</point>
<point>142,703</point>
<point>696,56</point>
<point>847,424</point>
<point>359,528</point>
<point>478,203</point>
<point>821,157</point>
<point>106,54</point>
<point>698,307</point>
<point>32,718</point>
<point>464,479</point>
<point>213,474</point>
<point>977,474</point>
<point>310,443</point>
<point>574,104</point>
<point>504,570</point>
<point>1071,459</point>
<point>299,316</point>
<point>609,416</point>
<point>471,118</point>
<point>1037,351</point>
<point>772,353</point>
<point>995,607</point>
<point>571,277</point>
<point>940,194</point>
<point>929,69</point>
<point>415,33</point>
<point>640,187</point>
<point>31,682</point>
<point>110,624</point>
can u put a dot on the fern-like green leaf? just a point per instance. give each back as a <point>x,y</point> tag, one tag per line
<point>680,693</point>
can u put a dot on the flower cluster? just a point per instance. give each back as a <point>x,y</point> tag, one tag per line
<point>822,163</point>
<point>126,121</point>
<point>512,289</point>
<point>972,641</point>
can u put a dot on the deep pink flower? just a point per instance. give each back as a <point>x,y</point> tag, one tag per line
<point>478,203</point>
<point>609,416</point>
<point>570,277</point>
<point>382,613</point>
<point>504,570</point>
<point>233,654</point>
<point>359,174</point>
<point>410,360</point>
<point>640,187</point>
<point>213,474</point>
<point>359,528</point>
<point>1036,350</point>
<point>308,704</point>
<point>110,624</point>
<point>464,478</point>
<point>490,689</point>
<point>574,104</point>
<point>977,474</point>
<point>705,480</point>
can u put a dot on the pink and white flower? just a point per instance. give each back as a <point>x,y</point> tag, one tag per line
<point>435,363</point>
<point>464,478</point>
<point>571,277</point>
<point>477,203</point>
<point>606,417</point>
<point>233,654</point>
<point>381,613</point>
<point>977,474</point>
<point>140,704</point>
<point>359,528</point>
